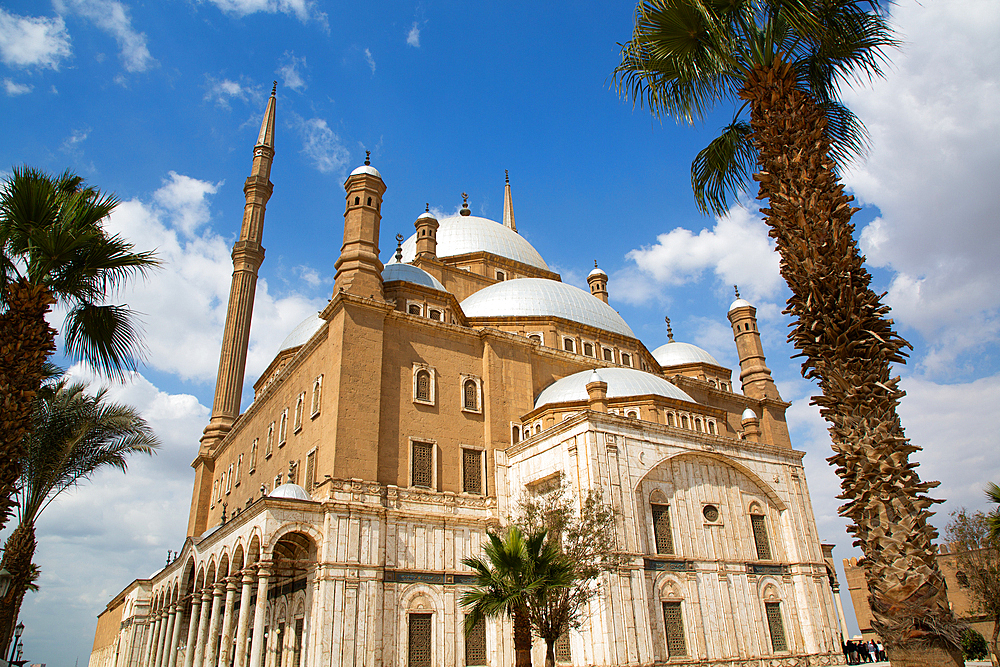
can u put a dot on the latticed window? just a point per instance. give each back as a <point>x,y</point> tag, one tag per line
<point>423,464</point>
<point>414,309</point>
<point>760,537</point>
<point>776,626</point>
<point>561,648</point>
<point>472,471</point>
<point>310,471</point>
<point>673,622</point>
<point>419,652</point>
<point>661,529</point>
<point>423,386</point>
<point>475,644</point>
<point>470,394</point>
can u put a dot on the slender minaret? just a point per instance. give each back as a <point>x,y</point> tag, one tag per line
<point>359,270</point>
<point>508,204</point>
<point>754,373</point>
<point>598,281</point>
<point>427,226</point>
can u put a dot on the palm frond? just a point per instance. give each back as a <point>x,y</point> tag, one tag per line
<point>107,337</point>
<point>722,169</point>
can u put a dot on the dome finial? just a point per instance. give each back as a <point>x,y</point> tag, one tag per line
<point>427,207</point>
<point>368,157</point>
<point>465,205</point>
<point>736,288</point>
<point>274,88</point>
<point>506,176</point>
<point>399,248</point>
<point>670,332</point>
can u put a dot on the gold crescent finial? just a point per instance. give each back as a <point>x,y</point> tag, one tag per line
<point>737,288</point>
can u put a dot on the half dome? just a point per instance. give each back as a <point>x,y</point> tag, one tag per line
<point>676,353</point>
<point>302,333</point>
<point>622,383</point>
<point>528,297</point>
<point>411,274</point>
<point>293,491</point>
<point>461,234</point>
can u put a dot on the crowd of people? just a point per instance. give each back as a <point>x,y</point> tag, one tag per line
<point>859,652</point>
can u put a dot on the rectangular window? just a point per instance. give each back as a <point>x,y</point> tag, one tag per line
<point>317,395</point>
<point>569,344</point>
<point>472,471</point>
<point>661,529</point>
<point>239,466</point>
<point>310,471</point>
<point>673,622</point>
<point>475,645</point>
<point>229,480</point>
<point>253,455</point>
<point>423,384</point>
<point>419,649</point>
<point>776,627</point>
<point>562,650</point>
<point>470,394</point>
<point>626,359</point>
<point>283,428</point>
<point>608,355</point>
<point>588,349</point>
<point>270,440</point>
<point>501,275</point>
<point>760,537</point>
<point>423,464</point>
<point>300,407</point>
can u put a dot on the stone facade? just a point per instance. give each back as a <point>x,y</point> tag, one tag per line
<point>329,520</point>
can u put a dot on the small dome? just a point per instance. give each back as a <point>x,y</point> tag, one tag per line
<point>366,169</point>
<point>597,272</point>
<point>293,491</point>
<point>461,234</point>
<point>622,382</point>
<point>739,303</point>
<point>426,215</point>
<point>538,297</point>
<point>411,274</point>
<point>676,353</point>
<point>301,334</point>
<point>595,377</point>
<point>748,414</point>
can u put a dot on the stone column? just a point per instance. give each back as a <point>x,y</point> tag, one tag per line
<point>257,645</point>
<point>211,649</point>
<point>149,653</point>
<point>192,637</point>
<point>199,649</point>
<point>167,632</point>
<point>175,636</point>
<point>840,612</point>
<point>227,623</point>
<point>154,656</point>
<point>243,623</point>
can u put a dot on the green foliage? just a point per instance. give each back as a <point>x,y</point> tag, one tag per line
<point>974,646</point>
<point>977,560</point>
<point>993,495</point>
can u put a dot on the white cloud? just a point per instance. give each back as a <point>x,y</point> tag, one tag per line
<point>321,144</point>
<point>185,198</point>
<point>370,60</point>
<point>932,173</point>
<point>301,9</point>
<point>289,69</point>
<point>113,17</point>
<point>13,88</point>
<point>32,41</point>
<point>223,91</point>
<point>413,36</point>
<point>736,250</point>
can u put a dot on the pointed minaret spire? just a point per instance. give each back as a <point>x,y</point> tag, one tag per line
<point>266,136</point>
<point>508,204</point>
<point>670,332</point>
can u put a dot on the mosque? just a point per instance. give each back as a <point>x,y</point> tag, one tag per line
<point>329,520</point>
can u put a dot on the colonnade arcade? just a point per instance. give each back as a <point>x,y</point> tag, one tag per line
<point>246,607</point>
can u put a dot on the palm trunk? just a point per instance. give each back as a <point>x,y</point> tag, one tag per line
<point>17,555</point>
<point>849,345</point>
<point>550,652</point>
<point>522,638</point>
<point>26,341</point>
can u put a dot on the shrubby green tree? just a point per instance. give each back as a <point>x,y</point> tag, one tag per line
<point>781,63</point>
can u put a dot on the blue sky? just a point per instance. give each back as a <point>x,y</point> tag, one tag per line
<point>160,103</point>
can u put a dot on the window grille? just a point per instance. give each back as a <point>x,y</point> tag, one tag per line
<point>423,386</point>
<point>561,648</point>
<point>423,464</point>
<point>472,471</point>
<point>475,644</point>
<point>317,395</point>
<point>760,537</point>
<point>283,428</point>
<point>776,626</point>
<point>661,529</point>
<point>673,621</point>
<point>253,455</point>
<point>435,315</point>
<point>300,405</point>
<point>310,471</point>
<point>419,653</point>
<point>471,395</point>
<point>414,309</point>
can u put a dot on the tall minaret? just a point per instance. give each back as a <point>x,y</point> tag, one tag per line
<point>247,257</point>
<point>359,270</point>
<point>508,204</point>
<point>754,373</point>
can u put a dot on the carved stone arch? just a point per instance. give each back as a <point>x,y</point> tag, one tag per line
<point>280,612</point>
<point>299,605</point>
<point>754,508</point>
<point>223,571</point>
<point>754,478</point>
<point>668,587</point>
<point>769,590</point>
<point>239,559</point>
<point>188,577</point>
<point>418,598</point>
<point>657,497</point>
<point>200,579</point>
<point>300,527</point>
<point>210,572</point>
<point>253,547</point>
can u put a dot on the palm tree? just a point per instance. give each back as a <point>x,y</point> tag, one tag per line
<point>53,249</point>
<point>783,61</point>
<point>993,518</point>
<point>517,573</point>
<point>72,436</point>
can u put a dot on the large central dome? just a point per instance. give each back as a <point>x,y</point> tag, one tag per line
<point>538,297</point>
<point>463,234</point>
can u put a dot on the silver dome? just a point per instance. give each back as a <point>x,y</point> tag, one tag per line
<point>526,297</point>
<point>301,334</point>
<point>411,274</point>
<point>366,169</point>
<point>293,491</point>
<point>676,353</point>
<point>748,414</point>
<point>622,382</point>
<point>739,303</point>
<point>597,271</point>
<point>461,234</point>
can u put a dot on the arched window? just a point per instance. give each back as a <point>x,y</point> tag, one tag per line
<point>626,359</point>
<point>413,309</point>
<point>435,315</point>
<point>470,394</point>
<point>357,200</point>
<point>588,349</point>
<point>569,344</point>
<point>632,414</point>
<point>369,201</point>
<point>670,419</point>
<point>608,355</point>
<point>515,434</point>
<point>317,395</point>
<point>283,428</point>
<point>253,455</point>
<point>536,337</point>
<point>300,408</point>
<point>684,421</point>
<point>423,385</point>
<point>697,425</point>
<point>776,627</point>
<point>711,428</point>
